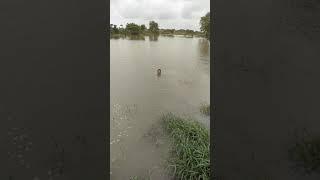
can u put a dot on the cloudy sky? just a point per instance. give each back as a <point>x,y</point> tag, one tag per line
<point>173,14</point>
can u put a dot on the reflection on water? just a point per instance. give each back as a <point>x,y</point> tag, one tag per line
<point>168,35</point>
<point>136,37</point>
<point>139,95</point>
<point>153,37</point>
<point>204,49</point>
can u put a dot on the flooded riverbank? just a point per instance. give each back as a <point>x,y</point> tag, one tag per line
<point>139,97</point>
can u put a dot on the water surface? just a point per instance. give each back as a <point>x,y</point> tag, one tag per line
<point>139,96</point>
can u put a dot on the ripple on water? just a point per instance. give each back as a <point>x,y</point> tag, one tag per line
<point>122,116</point>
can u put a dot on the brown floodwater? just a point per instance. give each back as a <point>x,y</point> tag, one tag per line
<point>139,95</point>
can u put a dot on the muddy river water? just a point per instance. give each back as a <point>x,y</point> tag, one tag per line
<point>139,96</point>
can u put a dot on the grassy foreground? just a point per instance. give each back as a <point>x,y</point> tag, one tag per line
<point>190,147</point>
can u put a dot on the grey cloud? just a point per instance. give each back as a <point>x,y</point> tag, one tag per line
<point>189,9</point>
<point>168,13</point>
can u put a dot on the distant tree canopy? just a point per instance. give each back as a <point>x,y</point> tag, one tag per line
<point>153,27</point>
<point>167,31</point>
<point>205,25</point>
<point>133,29</point>
<point>143,28</point>
<point>188,31</point>
<point>114,29</point>
<point>122,30</point>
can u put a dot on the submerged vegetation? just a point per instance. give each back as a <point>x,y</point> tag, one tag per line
<point>189,158</point>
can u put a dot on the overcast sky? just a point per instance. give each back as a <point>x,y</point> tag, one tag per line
<point>172,14</point>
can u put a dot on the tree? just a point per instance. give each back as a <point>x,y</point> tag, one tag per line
<point>133,29</point>
<point>115,29</point>
<point>189,32</point>
<point>143,28</point>
<point>167,31</point>
<point>153,27</point>
<point>205,25</point>
<point>111,28</point>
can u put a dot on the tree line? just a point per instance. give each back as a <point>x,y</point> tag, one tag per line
<point>132,29</point>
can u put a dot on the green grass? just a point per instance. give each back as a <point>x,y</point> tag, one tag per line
<point>205,109</point>
<point>189,158</point>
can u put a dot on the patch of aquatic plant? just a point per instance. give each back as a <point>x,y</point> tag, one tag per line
<point>306,154</point>
<point>189,158</point>
<point>205,109</point>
